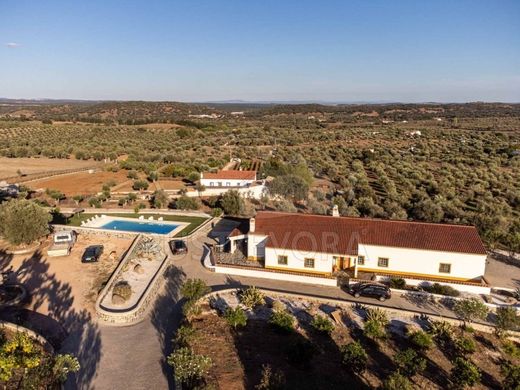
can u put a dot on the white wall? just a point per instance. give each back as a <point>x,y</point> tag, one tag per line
<point>323,262</point>
<point>315,280</point>
<point>464,266</point>
<point>226,182</point>
<point>256,245</point>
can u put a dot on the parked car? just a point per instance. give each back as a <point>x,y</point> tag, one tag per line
<point>178,246</point>
<point>92,254</point>
<point>376,290</point>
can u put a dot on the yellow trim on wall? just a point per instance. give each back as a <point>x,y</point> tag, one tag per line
<point>385,271</point>
<point>305,270</point>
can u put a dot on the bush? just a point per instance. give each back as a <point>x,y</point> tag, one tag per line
<point>235,317</point>
<point>375,323</point>
<point>396,381</point>
<point>442,331</point>
<point>377,315</point>
<point>511,373</point>
<point>271,380</point>
<point>252,297</point>
<point>183,337</point>
<point>278,306</point>
<point>464,373</point>
<point>465,345</point>
<point>232,203</point>
<point>398,283</point>
<point>355,357</point>
<point>421,340</point>
<point>441,289</point>
<point>187,203</point>
<point>409,362</point>
<point>470,309</point>
<point>194,289</point>
<point>23,221</point>
<point>139,185</point>
<point>511,349</point>
<point>216,212</point>
<point>282,320</point>
<point>191,309</point>
<point>189,368</point>
<point>506,319</point>
<point>123,290</point>
<point>322,324</point>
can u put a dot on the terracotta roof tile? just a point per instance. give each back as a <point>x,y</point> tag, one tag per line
<point>341,234</point>
<point>230,174</point>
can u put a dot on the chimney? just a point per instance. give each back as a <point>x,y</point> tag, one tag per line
<point>252,225</point>
<point>335,211</point>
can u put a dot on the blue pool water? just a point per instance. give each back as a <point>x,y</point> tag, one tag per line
<point>139,227</point>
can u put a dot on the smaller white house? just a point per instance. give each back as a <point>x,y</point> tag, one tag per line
<point>229,178</point>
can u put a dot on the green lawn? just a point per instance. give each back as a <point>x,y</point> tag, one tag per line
<point>194,222</point>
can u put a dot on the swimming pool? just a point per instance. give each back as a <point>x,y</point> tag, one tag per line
<point>139,226</point>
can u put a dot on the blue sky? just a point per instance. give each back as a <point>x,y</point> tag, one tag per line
<point>261,50</point>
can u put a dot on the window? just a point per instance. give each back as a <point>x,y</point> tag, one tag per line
<point>211,184</point>
<point>282,260</point>
<point>228,184</point>
<point>309,263</point>
<point>444,268</point>
<point>220,184</point>
<point>361,260</point>
<point>382,262</point>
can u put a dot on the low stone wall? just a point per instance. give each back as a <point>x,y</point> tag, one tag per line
<point>32,334</point>
<point>136,313</point>
<point>472,288</point>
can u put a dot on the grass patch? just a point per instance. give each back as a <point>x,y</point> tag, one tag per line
<point>194,222</point>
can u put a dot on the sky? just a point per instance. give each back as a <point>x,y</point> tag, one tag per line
<point>284,50</point>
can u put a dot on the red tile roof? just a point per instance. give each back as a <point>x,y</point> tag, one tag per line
<point>230,174</point>
<point>341,235</point>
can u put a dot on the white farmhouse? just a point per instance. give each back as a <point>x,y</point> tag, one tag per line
<point>229,178</point>
<point>320,245</point>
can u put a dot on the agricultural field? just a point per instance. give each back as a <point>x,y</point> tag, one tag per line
<point>451,163</point>
<point>16,167</point>
<point>81,183</point>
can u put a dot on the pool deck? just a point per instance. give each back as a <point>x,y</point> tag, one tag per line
<point>97,222</point>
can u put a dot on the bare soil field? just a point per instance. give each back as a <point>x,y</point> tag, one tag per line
<point>83,183</point>
<point>10,166</point>
<point>80,282</point>
<point>171,184</point>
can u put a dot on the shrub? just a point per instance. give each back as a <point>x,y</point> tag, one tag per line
<point>191,309</point>
<point>506,319</point>
<point>441,289</point>
<point>374,330</point>
<point>442,331</point>
<point>464,345</point>
<point>511,349</point>
<point>235,317</point>
<point>187,203</point>
<point>122,289</point>
<point>183,337</point>
<point>282,320</point>
<point>278,306</point>
<point>140,185</point>
<point>216,212</point>
<point>511,373</point>
<point>377,315</point>
<point>420,339</point>
<point>470,309</point>
<point>322,324</point>
<point>409,362</point>
<point>271,380</point>
<point>232,203</point>
<point>355,357</point>
<point>252,297</point>
<point>396,381</point>
<point>194,289</point>
<point>464,373</point>
<point>189,368</point>
<point>398,283</point>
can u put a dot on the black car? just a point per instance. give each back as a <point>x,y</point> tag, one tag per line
<point>376,290</point>
<point>178,247</point>
<point>92,254</point>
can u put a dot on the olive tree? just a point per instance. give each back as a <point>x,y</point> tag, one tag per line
<point>23,221</point>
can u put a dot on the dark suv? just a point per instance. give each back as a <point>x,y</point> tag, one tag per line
<point>376,290</point>
<point>92,254</point>
<point>178,247</point>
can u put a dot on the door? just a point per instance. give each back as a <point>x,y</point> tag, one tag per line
<point>342,262</point>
